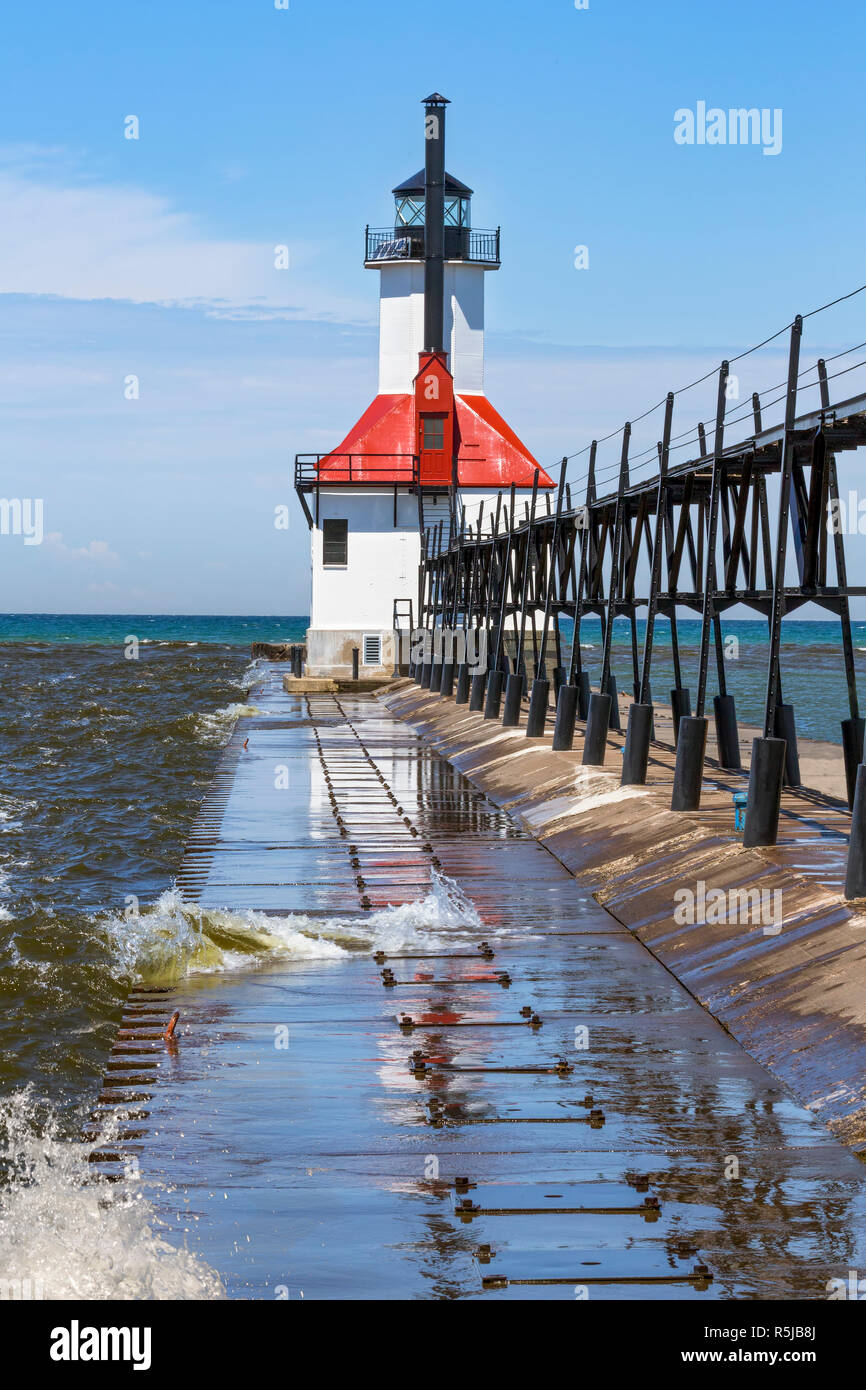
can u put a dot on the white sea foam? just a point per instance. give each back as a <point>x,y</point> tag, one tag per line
<point>172,938</point>
<point>249,678</point>
<point>215,728</point>
<point>443,913</point>
<point>12,808</point>
<point>67,1234</point>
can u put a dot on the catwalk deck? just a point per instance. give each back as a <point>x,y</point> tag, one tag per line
<point>402,1127</point>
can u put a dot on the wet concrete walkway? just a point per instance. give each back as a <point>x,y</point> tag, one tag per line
<point>579,1126</point>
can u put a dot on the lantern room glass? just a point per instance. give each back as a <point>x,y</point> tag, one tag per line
<point>410,212</point>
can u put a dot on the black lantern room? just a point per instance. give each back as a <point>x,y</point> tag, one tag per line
<point>409,215</point>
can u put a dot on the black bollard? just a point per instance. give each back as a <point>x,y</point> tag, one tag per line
<point>597,724</point>
<point>637,743</point>
<point>855,874</point>
<point>355,655</point>
<point>689,769</point>
<point>513,697</point>
<point>583,694</point>
<point>476,694</point>
<point>852,747</point>
<point>649,700</point>
<point>426,673</point>
<point>462,696</point>
<point>446,684</point>
<point>560,676</point>
<point>615,722</point>
<point>786,728</point>
<point>727,733</point>
<point>566,708</point>
<point>537,708</point>
<point>765,791</point>
<point>494,694</point>
<point>681,708</point>
<point>296,662</point>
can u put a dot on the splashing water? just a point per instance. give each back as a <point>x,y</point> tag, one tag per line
<point>171,939</point>
<point>214,729</point>
<point>67,1233</point>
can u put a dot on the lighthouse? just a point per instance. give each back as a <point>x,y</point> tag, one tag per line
<point>431,452</point>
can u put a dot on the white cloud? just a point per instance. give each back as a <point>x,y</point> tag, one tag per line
<point>98,551</point>
<point>88,241</point>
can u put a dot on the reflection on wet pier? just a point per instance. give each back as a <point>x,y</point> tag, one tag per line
<point>489,1093</point>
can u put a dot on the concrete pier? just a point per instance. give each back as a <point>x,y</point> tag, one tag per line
<point>558,1119</point>
<point>785,970</point>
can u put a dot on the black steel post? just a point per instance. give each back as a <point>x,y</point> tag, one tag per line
<point>427,670</point>
<point>541,685</point>
<point>727,732</point>
<point>569,704</point>
<point>599,716</point>
<point>765,791</point>
<point>446,685</point>
<point>640,716</point>
<point>434,222</point>
<point>479,680</point>
<point>423,579</point>
<point>692,739</point>
<point>681,706</point>
<point>855,873</point>
<point>785,727</point>
<point>853,726</point>
<point>493,701</point>
<point>463,677</point>
<point>768,753</point>
<point>514,684</point>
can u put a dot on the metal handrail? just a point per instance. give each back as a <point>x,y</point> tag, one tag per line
<point>407,243</point>
<point>402,468</point>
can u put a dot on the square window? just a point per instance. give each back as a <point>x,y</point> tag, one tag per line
<point>433,432</point>
<point>335,542</point>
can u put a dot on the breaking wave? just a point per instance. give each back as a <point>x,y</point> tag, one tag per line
<point>163,943</point>
<point>214,729</point>
<point>66,1233</point>
<point>172,938</point>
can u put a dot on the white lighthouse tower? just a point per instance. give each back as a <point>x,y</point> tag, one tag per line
<point>429,445</point>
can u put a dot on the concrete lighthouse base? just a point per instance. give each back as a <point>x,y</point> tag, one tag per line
<point>330,653</point>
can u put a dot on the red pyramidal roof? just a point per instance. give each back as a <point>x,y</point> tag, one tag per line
<point>380,447</point>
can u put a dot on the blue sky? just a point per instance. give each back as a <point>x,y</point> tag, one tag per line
<point>260,126</point>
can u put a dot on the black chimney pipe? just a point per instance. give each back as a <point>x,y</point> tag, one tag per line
<point>434,222</point>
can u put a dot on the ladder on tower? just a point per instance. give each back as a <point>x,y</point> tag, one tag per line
<point>403,613</point>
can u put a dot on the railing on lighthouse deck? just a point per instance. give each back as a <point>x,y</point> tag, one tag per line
<point>475,244</point>
<point>314,471</point>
